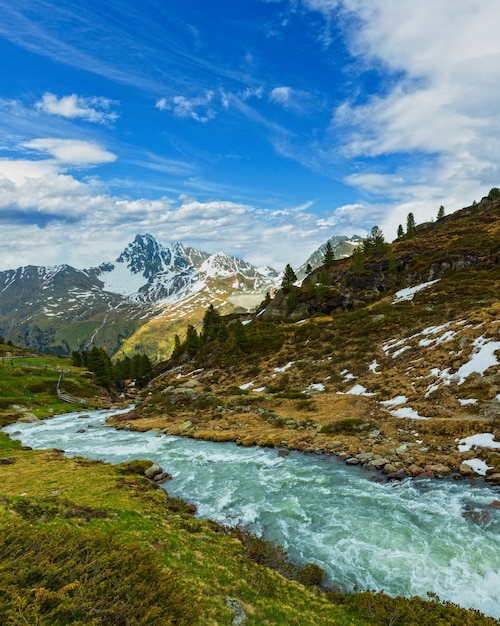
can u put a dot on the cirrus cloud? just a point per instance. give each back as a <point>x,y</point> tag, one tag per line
<point>184,107</point>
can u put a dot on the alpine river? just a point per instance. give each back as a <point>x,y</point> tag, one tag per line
<point>406,538</point>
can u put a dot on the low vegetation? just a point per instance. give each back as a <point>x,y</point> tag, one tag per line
<point>312,369</point>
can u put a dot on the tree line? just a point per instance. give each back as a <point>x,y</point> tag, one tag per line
<point>214,327</point>
<point>108,374</point>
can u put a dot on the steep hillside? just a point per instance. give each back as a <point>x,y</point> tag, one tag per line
<point>391,365</point>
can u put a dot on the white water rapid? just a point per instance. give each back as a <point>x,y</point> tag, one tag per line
<point>406,538</point>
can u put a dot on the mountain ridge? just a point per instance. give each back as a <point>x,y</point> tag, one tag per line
<point>60,308</point>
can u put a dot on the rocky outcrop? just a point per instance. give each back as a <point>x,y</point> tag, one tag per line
<point>353,288</point>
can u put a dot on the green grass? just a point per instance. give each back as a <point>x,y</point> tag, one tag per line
<point>28,384</point>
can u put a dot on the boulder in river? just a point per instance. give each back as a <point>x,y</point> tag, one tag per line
<point>162,477</point>
<point>153,471</point>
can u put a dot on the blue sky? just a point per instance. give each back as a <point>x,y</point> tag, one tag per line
<point>256,127</point>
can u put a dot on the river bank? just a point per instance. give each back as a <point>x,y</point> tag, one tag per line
<point>355,429</point>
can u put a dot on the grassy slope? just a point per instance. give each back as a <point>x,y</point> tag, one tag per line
<point>29,381</point>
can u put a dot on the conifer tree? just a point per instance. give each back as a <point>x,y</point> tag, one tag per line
<point>239,336</point>
<point>358,259</point>
<point>123,368</point>
<point>289,277</point>
<point>266,300</point>
<point>329,256</point>
<point>324,277</point>
<point>192,343</point>
<point>100,364</point>
<point>177,346</point>
<point>223,332</point>
<point>375,242</point>
<point>309,269</point>
<point>141,369</point>
<point>411,228</point>
<point>440,214</point>
<point>401,232</point>
<point>212,325</point>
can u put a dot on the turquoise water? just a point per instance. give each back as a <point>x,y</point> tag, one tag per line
<point>406,538</point>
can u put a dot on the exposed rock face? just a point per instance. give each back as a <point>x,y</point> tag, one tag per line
<point>107,304</point>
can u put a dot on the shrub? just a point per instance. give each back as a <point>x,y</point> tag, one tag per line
<point>67,576</point>
<point>264,552</point>
<point>311,574</point>
<point>347,426</point>
<point>381,609</point>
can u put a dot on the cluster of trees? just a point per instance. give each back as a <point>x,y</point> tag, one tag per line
<point>108,374</point>
<point>411,228</point>
<point>374,246</point>
<point>214,328</point>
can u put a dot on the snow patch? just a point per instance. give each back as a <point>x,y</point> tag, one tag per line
<point>395,401</point>
<point>247,385</point>
<point>357,390</point>
<point>481,440</point>
<point>315,387</point>
<point>482,358</point>
<point>121,280</point>
<point>285,367</point>
<point>400,351</point>
<point>407,412</point>
<point>468,401</point>
<point>347,375</point>
<point>479,466</point>
<point>407,294</point>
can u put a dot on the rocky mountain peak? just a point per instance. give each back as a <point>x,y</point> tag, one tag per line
<point>146,256</point>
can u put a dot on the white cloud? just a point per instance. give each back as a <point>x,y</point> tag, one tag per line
<point>82,224</point>
<point>92,109</point>
<point>293,99</point>
<point>441,63</point>
<point>161,104</point>
<point>281,95</point>
<point>72,151</point>
<point>197,108</point>
<point>374,183</point>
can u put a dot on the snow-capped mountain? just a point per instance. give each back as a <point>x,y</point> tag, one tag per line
<point>342,247</point>
<point>148,271</point>
<point>61,308</point>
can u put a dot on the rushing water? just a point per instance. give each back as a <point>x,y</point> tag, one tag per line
<point>406,538</point>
